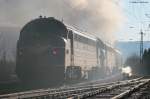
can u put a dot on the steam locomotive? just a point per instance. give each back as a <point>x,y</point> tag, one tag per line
<point>50,52</point>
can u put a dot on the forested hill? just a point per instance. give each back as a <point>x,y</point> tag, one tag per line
<point>131,47</point>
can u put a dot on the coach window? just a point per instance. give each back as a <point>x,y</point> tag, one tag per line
<point>80,38</point>
<point>75,37</point>
<point>87,44</point>
<point>77,44</point>
<point>67,51</point>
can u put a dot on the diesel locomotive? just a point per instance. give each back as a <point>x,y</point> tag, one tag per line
<point>50,52</point>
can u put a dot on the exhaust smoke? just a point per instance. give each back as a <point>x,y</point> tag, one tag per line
<point>102,17</point>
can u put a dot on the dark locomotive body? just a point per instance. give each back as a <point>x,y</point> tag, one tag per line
<point>49,53</point>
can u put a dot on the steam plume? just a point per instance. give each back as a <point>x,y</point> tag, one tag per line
<point>127,70</point>
<point>102,17</point>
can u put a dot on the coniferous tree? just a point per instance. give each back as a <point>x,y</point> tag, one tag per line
<point>146,61</point>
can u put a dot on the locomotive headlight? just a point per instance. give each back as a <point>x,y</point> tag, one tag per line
<point>55,51</point>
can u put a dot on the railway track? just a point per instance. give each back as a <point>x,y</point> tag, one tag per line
<point>92,90</point>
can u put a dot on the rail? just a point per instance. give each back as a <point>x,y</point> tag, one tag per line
<point>80,91</point>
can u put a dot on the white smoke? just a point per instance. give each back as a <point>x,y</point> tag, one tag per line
<point>101,17</point>
<point>127,70</point>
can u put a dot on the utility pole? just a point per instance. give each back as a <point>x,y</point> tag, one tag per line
<point>141,47</point>
<point>141,33</point>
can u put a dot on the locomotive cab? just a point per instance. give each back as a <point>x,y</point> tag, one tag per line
<point>41,52</point>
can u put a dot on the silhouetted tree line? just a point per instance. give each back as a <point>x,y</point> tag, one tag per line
<point>139,66</point>
<point>7,66</point>
<point>7,69</point>
<point>146,61</point>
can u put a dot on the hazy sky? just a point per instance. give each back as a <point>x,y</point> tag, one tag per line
<point>137,19</point>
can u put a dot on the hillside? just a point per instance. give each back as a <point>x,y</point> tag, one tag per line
<point>131,47</point>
